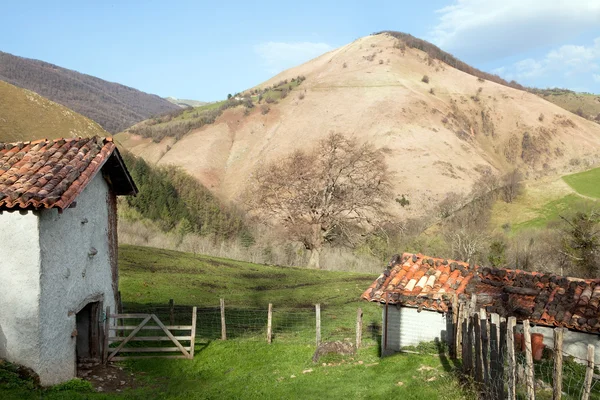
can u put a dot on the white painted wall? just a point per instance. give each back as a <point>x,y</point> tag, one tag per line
<point>19,287</point>
<point>47,275</point>
<point>574,343</point>
<point>71,277</point>
<point>407,326</point>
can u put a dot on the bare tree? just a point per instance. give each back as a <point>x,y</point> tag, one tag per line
<point>333,192</point>
<point>512,185</point>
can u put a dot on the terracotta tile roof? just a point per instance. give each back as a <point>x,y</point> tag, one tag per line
<point>52,173</point>
<point>545,299</point>
<point>421,281</point>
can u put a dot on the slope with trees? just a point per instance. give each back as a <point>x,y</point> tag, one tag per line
<point>114,106</point>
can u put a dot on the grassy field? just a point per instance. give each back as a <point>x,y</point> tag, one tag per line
<point>253,369</point>
<point>586,183</point>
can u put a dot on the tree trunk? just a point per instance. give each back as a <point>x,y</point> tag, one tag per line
<point>313,261</point>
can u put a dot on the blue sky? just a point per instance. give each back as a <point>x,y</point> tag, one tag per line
<point>204,50</point>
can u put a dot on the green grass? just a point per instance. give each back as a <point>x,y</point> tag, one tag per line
<point>550,212</point>
<point>250,370</point>
<point>253,369</point>
<point>586,183</point>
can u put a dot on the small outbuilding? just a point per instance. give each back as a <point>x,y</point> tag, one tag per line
<point>58,250</point>
<point>419,294</point>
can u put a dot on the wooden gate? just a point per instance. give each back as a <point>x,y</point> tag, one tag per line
<point>116,330</point>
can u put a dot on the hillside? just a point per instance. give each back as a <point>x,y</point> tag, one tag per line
<point>440,127</point>
<point>113,106</point>
<point>185,102</point>
<point>585,105</point>
<point>25,115</point>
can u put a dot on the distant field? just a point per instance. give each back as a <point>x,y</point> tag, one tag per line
<point>586,183</point>
<point>551,211</point>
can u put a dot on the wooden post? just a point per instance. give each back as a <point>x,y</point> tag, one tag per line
<point>485,345</point>
<point>359,315</point>
<point>558,361</point>
<point>455,322</point>
<point>512,363</point>
<point>589,373</point>
<point>270,324</point>
<point>496,377</point>
<point>193,333</point>
<point>478,352</point>
<point>467,342</point>
<point>528,361</point>
<point>459,330</point>
<point>318,317</point>
<point>502,355</point>
<point>171,312</point>
<point>106,334</point>
<point>223,327</point>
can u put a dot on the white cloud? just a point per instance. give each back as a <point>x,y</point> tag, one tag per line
<point>278,56</point>
<point>487,30</point>
<point>564,62</point>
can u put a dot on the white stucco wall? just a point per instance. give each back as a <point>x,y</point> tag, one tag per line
<point>574,343</point>
<point>71,276</point>
<point>19,287</point>
<point>406,326</point>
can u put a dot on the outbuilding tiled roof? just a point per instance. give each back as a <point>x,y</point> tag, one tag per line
<point>52,173</point>
<point>421,281</point>
<point>545,299</point>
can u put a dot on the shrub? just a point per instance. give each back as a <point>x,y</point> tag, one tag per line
<point>431,91</point>
<point>345,65</point>
<point>270,100</point>
<point>425,79</point>
<point>541,117</point>
<point>380,62</point>
<point>264,109</point>
<point>301,96</point>
<point>579,112</point>
<point>480,79</point>
<point>284,93</point>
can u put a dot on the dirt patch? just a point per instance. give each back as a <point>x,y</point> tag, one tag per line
<point>107,378</point>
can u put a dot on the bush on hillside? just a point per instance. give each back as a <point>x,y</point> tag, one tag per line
<point>425,79</point>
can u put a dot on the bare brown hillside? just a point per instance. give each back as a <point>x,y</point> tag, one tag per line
<point>25,115</point>
<point>440,127</point>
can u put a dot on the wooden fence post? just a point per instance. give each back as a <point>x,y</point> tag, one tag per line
<point>496,372</point>
<point>171,312</point>
<point>478,352</point>
<point>455,328</point>
<point>193,333</point>
<point>558,364</point>
<point>467,342</point>
<point>529,373</point>
<point>223,326</point>
<point>359,315</point>
<point>512,362</point>
<point>485,345</point>
<point>318,318</point>
<point>589,373</point>
<point>459,331</point>
<point>106,333</point>
<point>270,324</point>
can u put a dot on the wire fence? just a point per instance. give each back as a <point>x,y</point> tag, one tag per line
<point>288,325</point>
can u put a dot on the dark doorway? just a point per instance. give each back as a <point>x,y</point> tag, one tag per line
<point>88,329</point>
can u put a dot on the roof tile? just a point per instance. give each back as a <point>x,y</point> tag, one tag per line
<point>52,173</point>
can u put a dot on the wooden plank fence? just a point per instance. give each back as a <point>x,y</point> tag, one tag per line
<point>487,346</point>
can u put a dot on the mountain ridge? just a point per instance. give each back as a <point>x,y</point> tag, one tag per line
<point>440,127</point>
<point>112,105</point>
